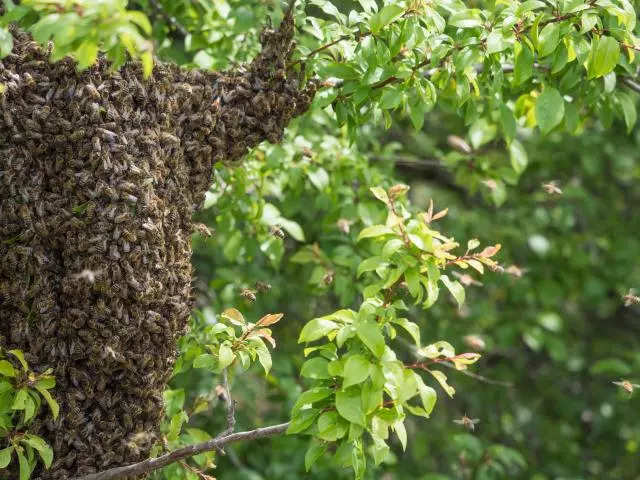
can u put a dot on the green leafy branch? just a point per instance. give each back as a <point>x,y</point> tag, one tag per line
<point>359,385</point>
<point>21,394</point>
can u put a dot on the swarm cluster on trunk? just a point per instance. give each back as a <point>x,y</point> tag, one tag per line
<point>100,173</point>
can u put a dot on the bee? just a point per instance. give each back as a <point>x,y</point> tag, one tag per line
<point>515,271</point>
<point>627,386</point>
<point>248,294</point>
<point>468,423</point>
<point>328,277</point>
<point>467,279</point>
<point>474,341</point>
<point>552,188</point>
<point>631,299</point>
<point>277,232</point>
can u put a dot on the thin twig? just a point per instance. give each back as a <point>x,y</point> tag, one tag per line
<point>635,86</point>
<point>478,377</point>
<point>152,464</point>
<point>231,406</point>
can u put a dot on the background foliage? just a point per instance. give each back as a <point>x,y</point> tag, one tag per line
<point>476,106</point>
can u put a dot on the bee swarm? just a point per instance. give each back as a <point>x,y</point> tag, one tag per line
<point>100,173</point>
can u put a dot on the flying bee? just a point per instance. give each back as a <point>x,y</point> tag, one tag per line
<point>468,423</point>
<point>467,279</point>
<point>262,287</point>
<point>552,188</point>
<point>631,298</point>
<point>516,271</point>
<point>627,385</point>
<point>277,232</point>
<point>202,229</point>
<point>248,294</point>
<point>328,277</point>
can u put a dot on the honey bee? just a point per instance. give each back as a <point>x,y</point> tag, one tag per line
<point>468,423</point>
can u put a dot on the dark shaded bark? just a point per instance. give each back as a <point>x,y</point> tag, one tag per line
<point>100,173</point>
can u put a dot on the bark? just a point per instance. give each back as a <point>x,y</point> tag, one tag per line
<point>100,173</point>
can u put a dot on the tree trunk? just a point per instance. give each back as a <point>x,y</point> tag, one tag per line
<point>100,173</point>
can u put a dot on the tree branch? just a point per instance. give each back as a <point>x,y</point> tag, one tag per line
<point>633,85</point>
<point>152,464</point>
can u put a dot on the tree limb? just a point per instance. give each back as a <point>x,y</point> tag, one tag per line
<point>152,464</point>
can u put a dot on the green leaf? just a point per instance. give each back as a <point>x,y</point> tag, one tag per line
<point>20,400</point>
<point>369,264</point>
<point>381,194</point>
<point>206,360</point>
<point>20,356</point>
<point>349,406</point>
<point>401,432</point>
<point>5,456</point>
<point>6,42</point>
<point>264,357</point>
<point>442,380</point>
<point>604,56</point>
<point>146,58</point>
<point>45,451</point>
<point>548,39</point>
<point>375,231</point>
<point>549,109</point>
<point>6,369</point>
<point>140,19</point>
<point>311,396</point>
<point>319,177</point>
<point>469,18</point>
<point>628,106</point>
<point>315,368</point>
<point>508,122</point>
<point>53,405</point>
<point>410,327</point>
<point>340,70</point>
<point>384,17</point>
<point>455,288</point>
<point>316,328</point>
<point>369,6</point>
<point>86,54</point>
<point>25,468</point>
<point>428,397</point>
<point>29,408</point>
<point>518,156</point>
<point>314,452</point>
<point>302,420</point>
<point>225,356</point>
<point>523,68</point>
<point>370,334</point>
<point>356,370</point>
